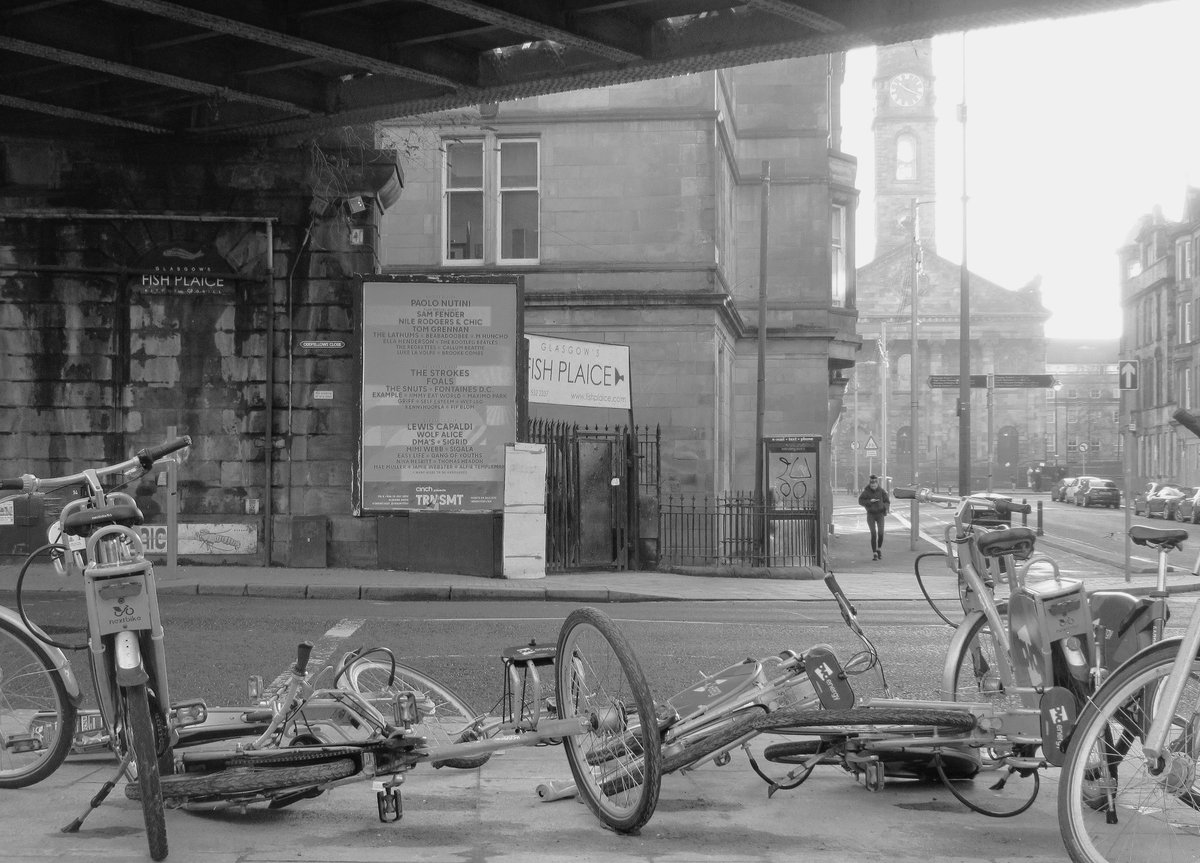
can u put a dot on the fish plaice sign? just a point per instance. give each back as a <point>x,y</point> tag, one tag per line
<point>583,374</point>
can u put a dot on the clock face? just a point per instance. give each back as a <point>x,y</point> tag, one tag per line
<point>906,89</point>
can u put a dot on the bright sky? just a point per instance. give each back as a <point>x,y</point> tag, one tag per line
<point>1075,129</point>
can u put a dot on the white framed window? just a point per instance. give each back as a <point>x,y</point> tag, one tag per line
<point>906,157</point>
<point>491,203</point>
<point>519,204</point>
<point>1186,389</point>
<point>1183,259</point>
<point>1095,393</point>
<point>837,234</point>
<point>463,214</point>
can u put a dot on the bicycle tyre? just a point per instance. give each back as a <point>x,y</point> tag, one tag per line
<point>142,741</point>
<point>33,700</point>
<point>181,787</point>
<point>446,717</point>
<point>975,663</point>
<point>702,745</point>
<point>598,678</point>
<point>1151,821</point>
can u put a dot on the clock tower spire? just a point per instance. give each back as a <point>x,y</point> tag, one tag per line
<point>904,126</point>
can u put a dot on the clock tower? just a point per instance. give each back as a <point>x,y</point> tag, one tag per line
<point>904,128</point>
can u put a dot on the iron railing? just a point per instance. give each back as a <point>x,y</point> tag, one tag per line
<point>734,529</point>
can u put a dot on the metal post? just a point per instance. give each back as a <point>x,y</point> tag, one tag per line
<point>759,499</point>
<point>964,313</point>
<point>269,442</point>
<point>1126,428</point>
<point>914,508</point>
<point>857,444</point>
<point>172,509</point>
<point>884,380</point>
<point>991,391</point>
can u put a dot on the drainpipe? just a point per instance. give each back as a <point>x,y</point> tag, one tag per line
<point>269,449</point>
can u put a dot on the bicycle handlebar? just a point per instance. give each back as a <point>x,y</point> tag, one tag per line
<point>145,459</point>
<point>303,651</point>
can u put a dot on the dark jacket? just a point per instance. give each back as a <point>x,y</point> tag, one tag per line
<point>876,500</point>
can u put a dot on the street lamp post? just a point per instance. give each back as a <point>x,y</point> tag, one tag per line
<point>1057,386</point>
<point>913,376</point>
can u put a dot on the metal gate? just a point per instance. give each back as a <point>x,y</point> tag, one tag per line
<point>597,482</point>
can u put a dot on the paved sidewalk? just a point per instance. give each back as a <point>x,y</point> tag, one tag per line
<point>849,557</point>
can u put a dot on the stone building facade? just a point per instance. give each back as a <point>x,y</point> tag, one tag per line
<point>104,352</point>
<point>634,214</point>
<point>1084,437</point>
<point>1160,292</point>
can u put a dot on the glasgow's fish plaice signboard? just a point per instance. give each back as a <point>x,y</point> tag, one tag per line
<point>584,374</point>
<point>439,393</point>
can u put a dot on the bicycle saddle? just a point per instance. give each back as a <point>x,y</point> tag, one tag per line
<point>1169,538</point>
<point>1017,541</point>
<point>84,521</point>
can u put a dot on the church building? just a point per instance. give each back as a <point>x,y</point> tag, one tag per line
<point>897,378</point>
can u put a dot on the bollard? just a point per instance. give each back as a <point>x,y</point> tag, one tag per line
<point>1040,531</point>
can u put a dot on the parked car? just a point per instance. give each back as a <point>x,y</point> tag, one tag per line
<point>1159,499</point>
<point>1076,485</point>
<point>1173,500</point>
<point>1097,491</point>
<point>1069,491</point>
<point>1188,508</point>
<point>1059,492</point>
<point>1141,500</point>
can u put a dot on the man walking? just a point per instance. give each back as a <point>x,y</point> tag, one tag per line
<point>874,499</point>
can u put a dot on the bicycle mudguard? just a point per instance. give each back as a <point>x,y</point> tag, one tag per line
<point>55,657</point>
<point>828,679</point>
<point>1060,712</point>
<point>127,660</point>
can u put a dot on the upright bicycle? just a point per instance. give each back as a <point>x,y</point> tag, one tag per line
<point>1130,784</point>
<point>94,539</point>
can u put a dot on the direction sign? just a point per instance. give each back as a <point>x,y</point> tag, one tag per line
<point>998,381</point>
<point>1127,374</point>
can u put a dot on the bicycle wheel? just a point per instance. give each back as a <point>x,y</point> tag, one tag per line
<point>1110,807</point>
<point>37,719</point>
<point>977,668</point>
<point>141,740</point>
<point>598,680</point>
<point>180,788</point>
<point>446,717</point>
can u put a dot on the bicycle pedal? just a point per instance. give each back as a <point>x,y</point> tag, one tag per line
<point>390,804</point>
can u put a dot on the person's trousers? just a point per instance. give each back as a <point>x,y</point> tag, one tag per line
<point>875,524</point>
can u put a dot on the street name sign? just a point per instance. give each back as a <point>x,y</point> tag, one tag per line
<point>998,381</point>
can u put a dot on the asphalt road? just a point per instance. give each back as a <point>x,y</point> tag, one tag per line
<point>215,643</point>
